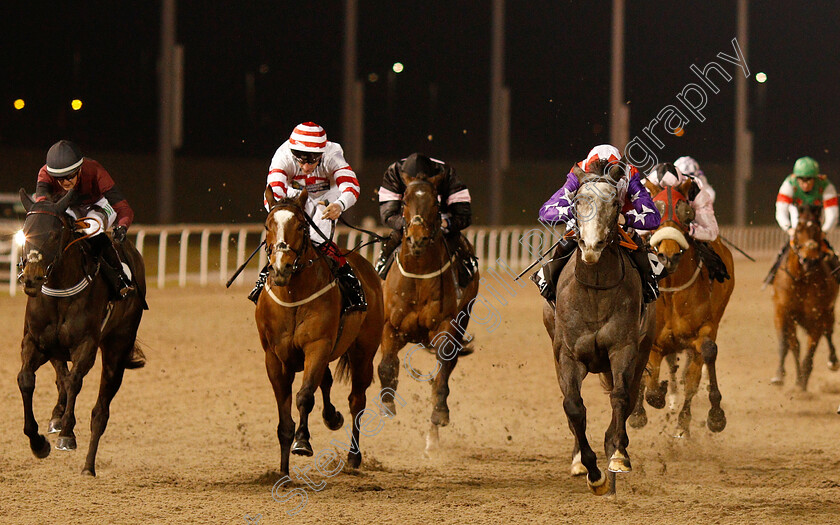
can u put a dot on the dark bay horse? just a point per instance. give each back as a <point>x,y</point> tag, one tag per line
<point>598,326</point>
<point>422,299</point>
<point>69,316</point>
<point>804,293</point>
<point>302,330</point>
<point>688,311</point>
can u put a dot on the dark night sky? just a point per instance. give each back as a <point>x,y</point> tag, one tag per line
<point>557,68</point>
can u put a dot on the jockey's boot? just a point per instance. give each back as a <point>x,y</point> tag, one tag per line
<point>833,261</point>
<point>771,275</point>
<point>106,252</point>
<point>383,264</point>
<point>715,265</point>
<point>352,293</point>
<point>546,277</point>
<point>255,293</point>
<point>645,262</point>
<point>467,263</point>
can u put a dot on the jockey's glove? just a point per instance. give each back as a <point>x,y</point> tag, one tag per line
<point>119,233</point>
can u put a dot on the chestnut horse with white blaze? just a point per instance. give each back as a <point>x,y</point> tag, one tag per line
<point>422,299</point>
<point>302,330</point>
<point>804,293</point>
<point>688,311</point>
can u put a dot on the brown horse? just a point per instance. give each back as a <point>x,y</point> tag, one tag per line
<point>301,328</point>
<point>804,293</point>
<point>688,312</point>
<point>422,300</point>
<point>69,316</point>
<point>598,326</point>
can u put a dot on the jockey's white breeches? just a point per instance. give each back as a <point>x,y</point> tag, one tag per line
<point>100,216</point>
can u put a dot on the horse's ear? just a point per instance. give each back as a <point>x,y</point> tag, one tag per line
<point>65,201</point>
<point>269,197</point>
<point>26,200</point>
<point>302,198</point>
<point>652,188</point>
<point>685,187</point>
<point>579,173</point>
<point>615,171</point>
<point>435,181</point>
<point>407,179</point>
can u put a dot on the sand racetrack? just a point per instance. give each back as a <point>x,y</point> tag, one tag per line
<point>192,439</point>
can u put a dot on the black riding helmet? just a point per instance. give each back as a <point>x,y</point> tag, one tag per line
<point>63,159</point>
<point>417,163</point>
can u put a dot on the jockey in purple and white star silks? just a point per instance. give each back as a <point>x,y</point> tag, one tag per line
<point>638,211</point>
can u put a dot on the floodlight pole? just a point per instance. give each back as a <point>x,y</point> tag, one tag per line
<point>743,137</point>
<point>619,112</point>
<point>166,75</point>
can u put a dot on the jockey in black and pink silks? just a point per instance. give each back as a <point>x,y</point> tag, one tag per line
<point>638,211</point>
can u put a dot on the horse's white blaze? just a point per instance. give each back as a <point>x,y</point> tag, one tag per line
<point>278,226</point>
<point>593,214</point>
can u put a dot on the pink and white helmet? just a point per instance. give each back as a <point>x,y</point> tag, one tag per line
<point>688,166</point>
<point>602,152</point>
<point>308,136</point>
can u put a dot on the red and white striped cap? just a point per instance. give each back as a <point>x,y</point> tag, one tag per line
<point>602,152</point>
<point>308,137</point>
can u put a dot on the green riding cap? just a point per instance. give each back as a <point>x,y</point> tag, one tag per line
<point>806,168</point>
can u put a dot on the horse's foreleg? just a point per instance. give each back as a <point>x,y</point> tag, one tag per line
<point>692,381</point>
<point>389,366</point>
<point>31,360</point>
<point>570,375</point>
<point>85,356</point>
<point>639,418</point>
<point>833,364</point>
<point>315,362</point>
<point>114,357</point>
<point>786,333</point>
<point>61,404</point>
<point>332,417</point>
<point>673,365</point>
<point>616,440</point>
<point>807,362</point>
<point>281,382</point>
<point>440,391</point>
<point>655,391</point>
<point>717,418</point>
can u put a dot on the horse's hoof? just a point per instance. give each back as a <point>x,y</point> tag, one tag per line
<point>301,447</point>
<point>440,417</point>
<point>619,463</point>
<point>354,459</point>
<point>66,443</point>
<point>656,398</point>
<point>600,487</point>
<point>577,466</point>
<point>834,365</point>
<point>388,409</point>
<point>43,450</point>
<point>89,472</point>
<point>638,420</point>
<point>336,422</point>
<point>55,426</point>
<point>777,380</point>
<point>717,420</point>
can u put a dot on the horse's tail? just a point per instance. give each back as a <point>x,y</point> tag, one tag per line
<point>136,359</point>
<point>342,369</point>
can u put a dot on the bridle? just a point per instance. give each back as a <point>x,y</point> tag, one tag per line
<point>417,219</point>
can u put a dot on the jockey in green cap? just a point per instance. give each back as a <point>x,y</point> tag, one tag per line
<point>806,187</point>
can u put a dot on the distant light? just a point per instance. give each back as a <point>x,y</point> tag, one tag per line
<point>398,67</point>
<point>19,103</point>
<point>373,77</point>
<point>679,132</point>
<point>20,238</point>
<point>76,104</point>
<point>761,78</point>
<point>429,137</point>
<point>264,69</point>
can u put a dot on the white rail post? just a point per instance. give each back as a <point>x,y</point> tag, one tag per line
<point>183,255</point>
<point>223,255</point>
<point>141,238</point>
<point>13,269</point>
<point>161,276</point>
<point>205,255</point>
<point>240,253</point>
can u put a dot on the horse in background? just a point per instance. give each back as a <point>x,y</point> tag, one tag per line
<point>599,325</point>
<point>302,330</point>
<point>423,303</point>
<point>804,293</point>
<point>68,316</point>
<point>688,312</point>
